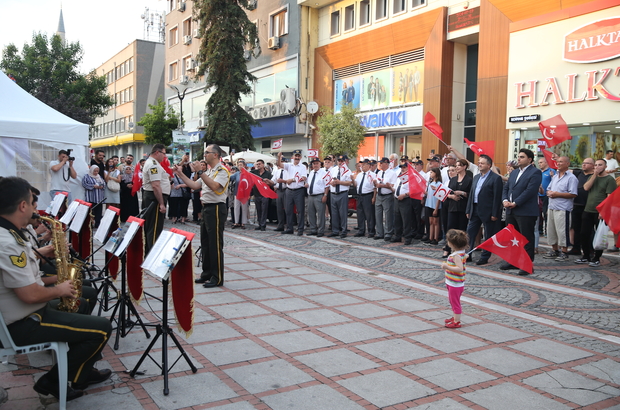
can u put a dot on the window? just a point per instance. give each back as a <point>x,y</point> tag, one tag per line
<point>335,27</point>
<point>173,71</point>
<point>349,17</point>
<point>130,93</point>
<point>399,6</point>
<point>173,5</point>
<point>131,64</point>
<point>173,38</point>
<point>364,12</point>
<point>122,70</point>
<point>417,3</point>
<point>381,9</point>
<point>278,23</point>
<point>187,27</point>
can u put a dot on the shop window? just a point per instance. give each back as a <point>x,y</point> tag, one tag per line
<point>399,6</point>
<point>335,23</point>
<point>173,37</point>
<point>381,7</point>
<point>278,23</point>
<point>349,17</point>
<point>364,12</point>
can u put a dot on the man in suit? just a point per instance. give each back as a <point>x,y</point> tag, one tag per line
<point>484,206</point>
<point>520,198</point>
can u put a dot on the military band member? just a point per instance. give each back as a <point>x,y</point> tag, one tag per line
<point>403,209</point>
<point>340,183</point>
<point>384,200</point>
<point>365,192</point>
<point>317,198</point>
<point>295,195</point>
<point>156,186</point>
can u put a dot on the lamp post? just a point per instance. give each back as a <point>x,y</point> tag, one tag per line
<point>181,96</point>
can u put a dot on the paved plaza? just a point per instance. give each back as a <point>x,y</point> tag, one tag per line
<point>314,323</point>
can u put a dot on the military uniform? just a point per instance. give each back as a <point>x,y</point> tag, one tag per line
<point>153,223</point>
<point>39,322</point>
<point>280,188</point>
<point>212,226</point>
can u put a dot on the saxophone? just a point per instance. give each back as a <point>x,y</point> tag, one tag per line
<point>67,268</point>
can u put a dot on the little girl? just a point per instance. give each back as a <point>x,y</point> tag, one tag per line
<point>433,204</point>
<point>454,269</point>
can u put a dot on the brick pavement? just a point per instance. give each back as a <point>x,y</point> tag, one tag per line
<point>306,324</point>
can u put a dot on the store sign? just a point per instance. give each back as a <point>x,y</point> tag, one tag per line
<point>524,118</point>
<point>400,118</point>
<point>593,42</point>
<point>180,137</point>
<point>464,19</point>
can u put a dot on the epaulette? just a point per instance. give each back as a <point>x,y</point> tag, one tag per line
<point>18,238</point>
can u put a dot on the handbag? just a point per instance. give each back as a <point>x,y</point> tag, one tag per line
<point>114,186</point>
<point>600,237</point>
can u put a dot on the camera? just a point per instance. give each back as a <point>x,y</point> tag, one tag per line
<point>69,155</point>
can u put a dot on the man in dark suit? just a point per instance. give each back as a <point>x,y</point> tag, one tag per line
<point>520,198</point>
<point>484,205</point>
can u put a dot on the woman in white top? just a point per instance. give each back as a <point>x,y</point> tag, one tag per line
<point>113,196</point>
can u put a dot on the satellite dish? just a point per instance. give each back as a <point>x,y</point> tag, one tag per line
<point>131,124</point>
<point>312,107</point>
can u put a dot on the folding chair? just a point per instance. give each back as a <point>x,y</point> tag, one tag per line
<point>61,348</point>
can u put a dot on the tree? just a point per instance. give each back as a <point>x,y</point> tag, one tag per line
<point>340,133</point>
<point>159,124</point>
<point>226,32</point>
<point>47,70</point>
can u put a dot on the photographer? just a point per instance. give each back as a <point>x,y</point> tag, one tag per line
<point>61,172</point>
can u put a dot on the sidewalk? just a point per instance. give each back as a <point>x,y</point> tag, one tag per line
<point>315,333</point>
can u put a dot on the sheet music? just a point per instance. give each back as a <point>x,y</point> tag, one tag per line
<point>104,225</point>
<point>130,232</point>
<point>68,216</point>
<point>59,199</point>
<point>80,217</point>
<point>159,261</point>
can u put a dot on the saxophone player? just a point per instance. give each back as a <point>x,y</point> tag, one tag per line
<point>24,300</point>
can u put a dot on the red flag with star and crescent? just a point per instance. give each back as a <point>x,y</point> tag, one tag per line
<point>136,180</point>
<point>481,147</point>
<point>417,184</point>
<point>554,130</point>
<point>430,123</point>
<point>509,245</point>
<point>247,181</point>
<point>609,210</point>
<point>549,157</point>
<point>264,189</point>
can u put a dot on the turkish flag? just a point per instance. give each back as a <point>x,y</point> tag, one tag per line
<point>165,164</point>
<point>609,210</point>
<point>136,180</point>
<point>264,189</point>
<point>244,186</point>
<point>549,157</point>
<point>554,130</point>
<point>431,124</point>
<point>481,147</point>
<point>417,184</point>
<point>509,245</point>
<point>224,164</point>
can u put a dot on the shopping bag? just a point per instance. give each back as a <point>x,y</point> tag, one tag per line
<point>600,237</point>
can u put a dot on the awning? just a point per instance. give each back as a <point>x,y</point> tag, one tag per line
<point>117,140</point>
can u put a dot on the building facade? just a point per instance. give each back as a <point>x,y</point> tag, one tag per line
<point>135,78</point>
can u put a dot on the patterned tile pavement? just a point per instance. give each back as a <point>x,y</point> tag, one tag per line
<point>311,323</point>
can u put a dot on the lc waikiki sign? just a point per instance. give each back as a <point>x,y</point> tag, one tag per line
<point>595,45</point>
<point>387,119</point>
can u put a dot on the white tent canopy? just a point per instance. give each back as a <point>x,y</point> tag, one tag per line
<point>32,133</point>
<point>251,157</point>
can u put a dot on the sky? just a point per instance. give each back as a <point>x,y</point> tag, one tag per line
<point>103,28</point>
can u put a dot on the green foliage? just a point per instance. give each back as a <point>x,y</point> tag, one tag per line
<point>226,32</point>
<point>47,70</point>
<point>340,133</point>
<point>159,124</point>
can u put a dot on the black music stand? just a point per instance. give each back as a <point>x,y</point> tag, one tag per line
<point>165,331</point>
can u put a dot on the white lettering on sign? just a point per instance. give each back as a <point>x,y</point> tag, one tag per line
<point>386,119</point>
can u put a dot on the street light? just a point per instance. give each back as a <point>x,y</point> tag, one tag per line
<point>181,97</point>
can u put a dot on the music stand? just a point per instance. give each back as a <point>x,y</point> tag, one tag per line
<point>160,262</point>
<point>124,306</point>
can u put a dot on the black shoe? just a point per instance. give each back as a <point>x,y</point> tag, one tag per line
<point>95,376</point>
<point>524,273</point>
<point>263,229</point>
<point>343,235</point>
<point>407,241</point>
<point>258,228</point>
<point>418,237</point>
<point>46,386</point>
<point>395,239</point>
<point>387,238</point>
<point>279,229</point>
<point>425,239</point>
<point>506,266</point>
<point>288,232</point>
<point>482,262</point>
<point>359,235</point>
<point>333,235</point>
<point>212,283</point>
<point>299,233</point>
<point>200,280</point>
<point>311,233</point>
<point>574,252</point>
<point>319,235</point>
<point>376,238</point>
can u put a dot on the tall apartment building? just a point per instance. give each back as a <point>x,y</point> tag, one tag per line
<point>135,77</point>
<point>281,63</point>
<point>486,69</point>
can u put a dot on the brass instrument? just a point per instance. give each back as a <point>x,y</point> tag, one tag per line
<point>67,268</point>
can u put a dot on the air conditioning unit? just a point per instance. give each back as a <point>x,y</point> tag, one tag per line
<point>197,33</point>
<point>287,96</point>
<point>247,54</point>
<point>190,64</point>
<point>273,109</point>
<point>252,4</point>
<point>181,6</point>
<point>282,108</point>
<point>183,79</point>
<point>273,43</point>
<point>264,111</point>
<point>187,40</point>
<point>256,113</point>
